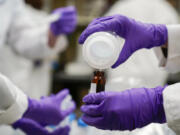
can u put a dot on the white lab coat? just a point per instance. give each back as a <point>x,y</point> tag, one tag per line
<point>140,69</point>
<point>10,12</point>
<point>13,102</point>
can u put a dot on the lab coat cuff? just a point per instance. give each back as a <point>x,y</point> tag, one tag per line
<point>16,110</point>
<point>160,56</point>
<point>173,60</point>
<point>171,102</point>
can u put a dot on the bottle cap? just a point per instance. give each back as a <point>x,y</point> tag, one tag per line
<point>101,50</point>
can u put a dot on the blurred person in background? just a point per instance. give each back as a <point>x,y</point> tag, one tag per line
<point>140,69</point>
<point>28,42</point>
<point>36,43</point>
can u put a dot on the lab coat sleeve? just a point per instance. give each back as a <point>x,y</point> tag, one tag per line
<point>13,102</point>
<point>172,62</point>
<point>27,37</point>
<point>172,106</point>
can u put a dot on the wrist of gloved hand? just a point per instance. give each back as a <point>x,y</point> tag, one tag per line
<point>33,109</point>
<point>159,112</point>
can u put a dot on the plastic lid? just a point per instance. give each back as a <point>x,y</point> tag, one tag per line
<point>101,50</point>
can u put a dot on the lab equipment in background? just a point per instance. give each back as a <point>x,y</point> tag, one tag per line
<point>98,82</point>
<point>101,49</point>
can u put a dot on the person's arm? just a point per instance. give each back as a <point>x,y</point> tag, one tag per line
<point>13,102</point>
<point>172,106</point>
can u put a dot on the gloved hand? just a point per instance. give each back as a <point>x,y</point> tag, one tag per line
<point>67,21</point>
<point>137,35</point>
<point>47,110</point>
<point>31,127</point>
<point>127,110</point>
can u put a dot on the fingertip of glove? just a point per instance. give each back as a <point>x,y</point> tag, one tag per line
<point>71,7</point>
<point>66,129</point>
<point>74,105</point>
<point>86,99</point>
<point>114,66</point>
<point>65,91</point>
<point>81,41</point>
<point>82,108</point>
<point>118,62</point>
<point>62,94</point>
<point>14,125</point>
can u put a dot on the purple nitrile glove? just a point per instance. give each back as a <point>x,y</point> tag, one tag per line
<point>31,127</point>
<point>137,35</point>
<point>127,110</point>
<point>47,111</point>
<point>66,23</point>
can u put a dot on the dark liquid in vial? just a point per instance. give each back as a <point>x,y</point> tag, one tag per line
<point>99,80</point>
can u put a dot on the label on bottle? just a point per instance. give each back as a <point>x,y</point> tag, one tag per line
<point>93,88</point>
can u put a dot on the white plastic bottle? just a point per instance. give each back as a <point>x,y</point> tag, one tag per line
<point>101,49</point>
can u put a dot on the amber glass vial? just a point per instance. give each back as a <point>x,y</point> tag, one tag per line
<point>98,82</point>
